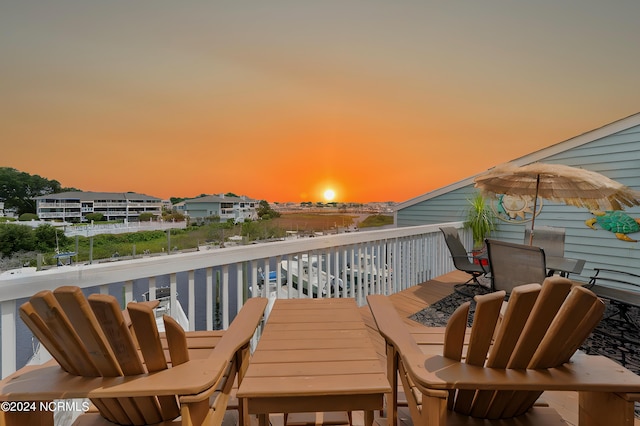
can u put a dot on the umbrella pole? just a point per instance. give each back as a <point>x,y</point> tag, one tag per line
<point>535,207</point>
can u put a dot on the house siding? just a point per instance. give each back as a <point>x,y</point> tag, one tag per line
<point>616,155</point>
<point>226,208</point>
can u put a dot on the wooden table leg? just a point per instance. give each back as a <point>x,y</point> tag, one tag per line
<point>368,417</point>
<point>263,419</point>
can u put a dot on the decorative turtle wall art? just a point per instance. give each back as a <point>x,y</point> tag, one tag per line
<point>617,222</point>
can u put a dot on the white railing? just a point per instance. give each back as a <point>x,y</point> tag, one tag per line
<point>220,280</point>
<point>56,205</point>
<point>120,228</point>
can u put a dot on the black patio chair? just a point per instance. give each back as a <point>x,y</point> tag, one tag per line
<point>515,264</point>
<point>462,259</point>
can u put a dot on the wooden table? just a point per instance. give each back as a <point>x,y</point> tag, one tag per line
<point>314,355</point>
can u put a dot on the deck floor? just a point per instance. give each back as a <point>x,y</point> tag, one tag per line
<point>413,300</point>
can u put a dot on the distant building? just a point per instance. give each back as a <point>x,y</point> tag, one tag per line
<point>74,206</point>
<point>236,208</point>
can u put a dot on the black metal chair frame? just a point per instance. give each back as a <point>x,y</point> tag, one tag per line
<point>515,264</point>
<point>463,260</point>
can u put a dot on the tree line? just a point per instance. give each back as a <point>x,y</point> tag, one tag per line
<point>17,189</point>
<point>16,238</point>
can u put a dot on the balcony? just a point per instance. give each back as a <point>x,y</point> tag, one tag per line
<point>213,284</point>
<point>43,215</point>
<point>54,205</point>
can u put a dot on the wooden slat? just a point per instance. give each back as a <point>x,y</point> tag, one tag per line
<point>321,385</point>
<point>521,300</point>
<point>313,368</point>
<point>455,334</point>
<point>143,321</point>
<point>116,330</point>
<point>179,345</point>
<point>318,334</point>
<point>315,326</point>
<point>77,309</point>
<point>484,323</point>
<point>297,344</point>
<point>49,310</point>
<point>317,355</point>
<point>42,333</point>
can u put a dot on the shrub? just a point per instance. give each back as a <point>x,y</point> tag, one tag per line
<point>15,238</point>
<point>146,217</point>
<point>26,217</point>
<point>94,217</point>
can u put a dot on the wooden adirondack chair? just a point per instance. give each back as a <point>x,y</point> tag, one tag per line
<point>506,369</point>
<point>125,374</point>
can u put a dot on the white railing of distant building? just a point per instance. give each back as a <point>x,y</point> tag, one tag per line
<point>404,257</point>
<point>121,228</point>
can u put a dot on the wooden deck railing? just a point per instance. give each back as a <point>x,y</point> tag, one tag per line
<point>402,257</point>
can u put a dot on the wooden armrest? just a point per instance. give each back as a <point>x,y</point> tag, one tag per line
<point>51,382</point>
<point>582,373</point>
<point>242,328</point>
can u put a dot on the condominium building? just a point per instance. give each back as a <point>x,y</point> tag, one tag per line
<point>74,206</point>
<point>238,209</point>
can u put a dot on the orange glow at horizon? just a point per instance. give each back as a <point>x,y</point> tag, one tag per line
<point>267,102</point>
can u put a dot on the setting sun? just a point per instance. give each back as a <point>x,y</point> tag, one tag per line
<point>329,194</point>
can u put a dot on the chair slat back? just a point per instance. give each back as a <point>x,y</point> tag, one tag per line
<point>91,338</point>
<point>117,333</point>
<point>94,338</point>
<point>574,321</point>
<point>485,320</point>
<point>541,328</point>
<point>144,324</point>
<point>455,332</point>
<point>142,410</point>
<point>42,333</point>
<point>84,322</point>
<point>178,348</point>
<point>62,331</point>
<point>91,332</point>
<point>522,300</point>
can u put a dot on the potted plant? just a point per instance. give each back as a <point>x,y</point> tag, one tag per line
<point>481,220</point>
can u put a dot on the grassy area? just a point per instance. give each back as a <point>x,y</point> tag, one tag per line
<point>313,222</point>
<point>153,242</point>
<point>376,220</point>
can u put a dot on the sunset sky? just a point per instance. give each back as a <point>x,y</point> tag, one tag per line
<point>282,100</point>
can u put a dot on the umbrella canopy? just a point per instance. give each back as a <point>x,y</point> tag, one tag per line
<point>557,182</point>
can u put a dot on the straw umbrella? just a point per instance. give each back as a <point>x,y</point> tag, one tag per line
<point>558,182</point>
